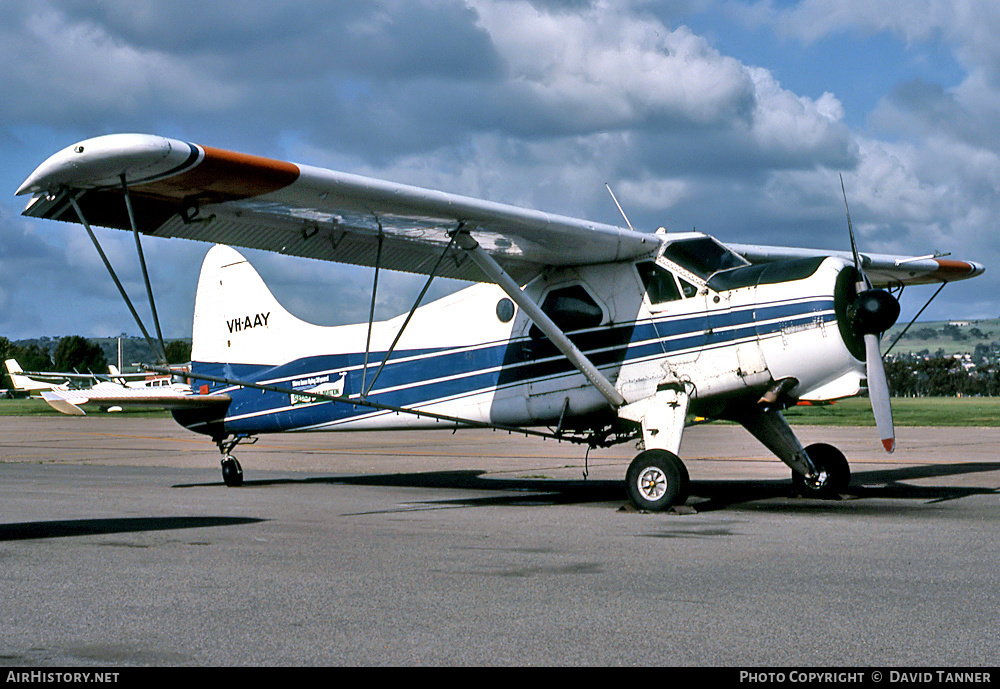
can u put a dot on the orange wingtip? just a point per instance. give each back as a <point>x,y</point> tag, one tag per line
<point>957,270</point>
<point>889,444</point>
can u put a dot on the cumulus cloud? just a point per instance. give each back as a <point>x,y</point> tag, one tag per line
<point>67,72</point>
<point>536,103</point>
<point>931,180</point>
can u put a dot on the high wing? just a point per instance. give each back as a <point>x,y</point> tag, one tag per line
<point>185,190</point>
<point>883,270</point>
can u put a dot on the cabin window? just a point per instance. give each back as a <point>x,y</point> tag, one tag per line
<point>570,308</point>
<point>703,256</point>
<point>659,283</point>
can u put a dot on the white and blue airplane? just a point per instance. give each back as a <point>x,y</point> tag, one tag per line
<point>576,330</point>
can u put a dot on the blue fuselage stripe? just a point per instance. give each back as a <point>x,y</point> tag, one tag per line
<point>415,377</point>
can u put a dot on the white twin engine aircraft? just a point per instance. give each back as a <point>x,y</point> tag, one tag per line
<point>578,330</point>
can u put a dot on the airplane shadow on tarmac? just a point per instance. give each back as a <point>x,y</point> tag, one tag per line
<point>98,527</point>
<point>706,496</point>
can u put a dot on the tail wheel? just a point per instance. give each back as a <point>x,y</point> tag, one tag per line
<point>232,472</point>
<point>657,480</point>
<point>834,473</point>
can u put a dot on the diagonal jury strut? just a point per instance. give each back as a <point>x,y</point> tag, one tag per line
<point>413,310</point>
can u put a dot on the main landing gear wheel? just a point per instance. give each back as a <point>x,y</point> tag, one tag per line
<point>656,480</point>
<point>232,472</point>
<point>834,473</point>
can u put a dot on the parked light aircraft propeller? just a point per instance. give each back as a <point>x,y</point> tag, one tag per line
<point>577,330</point>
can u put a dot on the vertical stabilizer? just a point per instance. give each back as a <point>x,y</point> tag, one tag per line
<point>236,318</point>
<point>22,382</point>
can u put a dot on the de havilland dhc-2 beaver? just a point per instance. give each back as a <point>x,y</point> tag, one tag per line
<point>576,330</point>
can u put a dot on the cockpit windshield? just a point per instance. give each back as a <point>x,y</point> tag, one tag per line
<point>703,256</point>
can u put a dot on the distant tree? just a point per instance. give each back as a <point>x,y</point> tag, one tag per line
<point>954,332</point>
<point>5,353</point>
<point>75,353</point>
<point>32,357</point>
<point>178,352</point>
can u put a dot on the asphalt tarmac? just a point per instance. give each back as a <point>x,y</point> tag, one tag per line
<point>120,546</point>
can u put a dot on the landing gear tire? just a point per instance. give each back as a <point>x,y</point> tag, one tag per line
<point>656,480</point>
<point>834,473</point>
<point>232,472</point>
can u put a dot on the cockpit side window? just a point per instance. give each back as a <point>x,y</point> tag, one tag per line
<point>688,289</point>
<point>571,308</point>
<point>659,283</point>
<point>703,256</point>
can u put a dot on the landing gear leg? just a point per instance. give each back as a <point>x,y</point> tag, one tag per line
<point>657,479</point>
<point>819,470</point>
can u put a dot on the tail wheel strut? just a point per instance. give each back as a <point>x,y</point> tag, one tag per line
<point>232,472</point>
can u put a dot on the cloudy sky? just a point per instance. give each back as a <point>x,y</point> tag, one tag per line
<point>733,117</point>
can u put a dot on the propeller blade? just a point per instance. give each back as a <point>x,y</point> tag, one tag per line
<point>854,246</point>
<point>878,393</point>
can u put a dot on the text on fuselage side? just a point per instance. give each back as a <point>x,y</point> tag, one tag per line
<point>247,322</point>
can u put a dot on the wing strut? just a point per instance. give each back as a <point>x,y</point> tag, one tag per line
<point>142,264</point>
<point>914,320</point>
<point>497,274</point>
<point>406,322</point>
<point>371,310</point>
<point>107,264</point>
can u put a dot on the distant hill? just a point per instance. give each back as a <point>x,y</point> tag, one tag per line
<point>960,336</point>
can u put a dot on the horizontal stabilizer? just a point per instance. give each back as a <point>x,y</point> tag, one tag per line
<point>106,396</point>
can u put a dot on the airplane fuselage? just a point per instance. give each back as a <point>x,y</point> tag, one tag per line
<point>473,355</point>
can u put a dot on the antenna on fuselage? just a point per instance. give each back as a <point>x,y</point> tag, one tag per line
<point>620,210</point>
